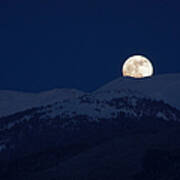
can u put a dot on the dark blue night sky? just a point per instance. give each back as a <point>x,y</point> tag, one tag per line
<point>46,44</point>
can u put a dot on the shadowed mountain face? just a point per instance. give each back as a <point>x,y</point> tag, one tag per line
<point>108,134</point>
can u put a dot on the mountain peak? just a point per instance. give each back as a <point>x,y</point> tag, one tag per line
<point>161,87</point>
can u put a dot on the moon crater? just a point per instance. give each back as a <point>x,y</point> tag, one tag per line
<point>137,67</point>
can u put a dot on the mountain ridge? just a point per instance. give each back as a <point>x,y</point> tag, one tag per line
<point>47,141</point>
<point>164,87</point>
<point>14,101</point>
<point>160,87</point>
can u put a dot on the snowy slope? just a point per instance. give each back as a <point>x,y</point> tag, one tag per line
<point>71,123</point>
<point>165,87</point>
<point>12,102</point>
<point>86,109</point>
<point>76,121</point>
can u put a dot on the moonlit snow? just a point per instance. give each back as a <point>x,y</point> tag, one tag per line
<point>161,87</point>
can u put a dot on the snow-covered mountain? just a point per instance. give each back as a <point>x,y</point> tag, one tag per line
<point>131,98</point>
<point>64,123</point>
<point>109,104</point>
<point>12,101</point>
<point>160,87</point>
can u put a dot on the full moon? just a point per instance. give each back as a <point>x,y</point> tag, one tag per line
<point>137,67</point>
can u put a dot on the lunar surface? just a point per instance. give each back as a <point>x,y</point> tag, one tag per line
<point>137,67</point>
